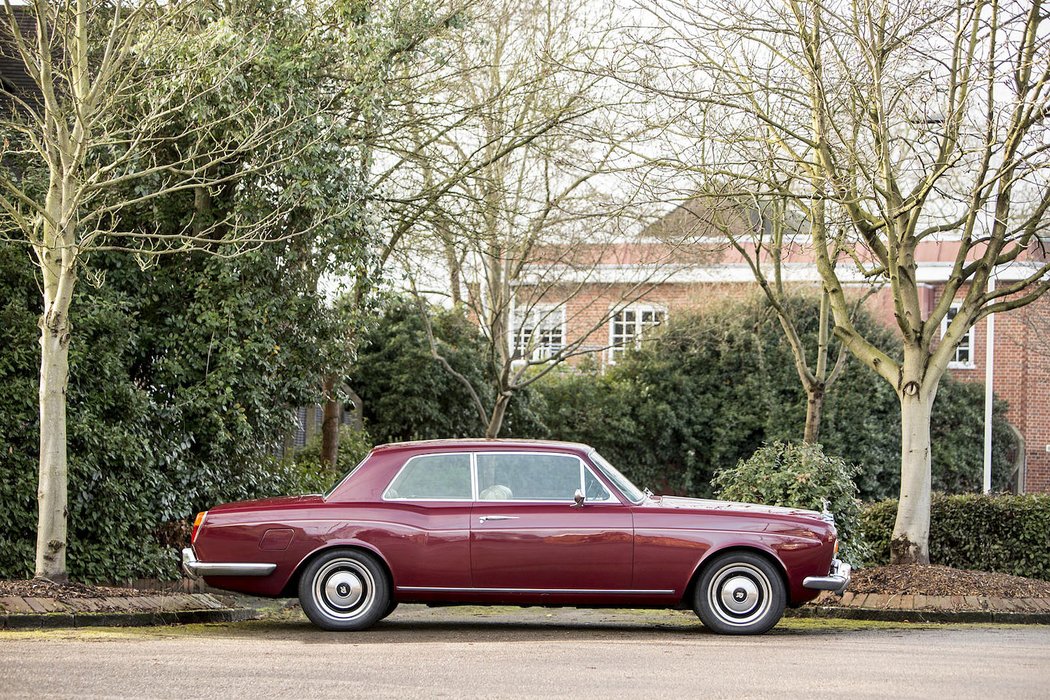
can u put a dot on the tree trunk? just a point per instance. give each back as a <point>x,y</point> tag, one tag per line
<point>52,487</point>
<point>814,408</point>
<point>454,277</point>
<point>330,424</point>
<point>498,413</point>
<point>911,531</point>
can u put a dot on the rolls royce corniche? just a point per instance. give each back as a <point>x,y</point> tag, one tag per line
<point>509,522</point>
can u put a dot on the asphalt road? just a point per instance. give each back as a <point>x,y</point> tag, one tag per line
<point>473,652</point>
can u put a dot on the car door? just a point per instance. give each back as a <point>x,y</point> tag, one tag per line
<point>528,534</point>
<point>425,534</point>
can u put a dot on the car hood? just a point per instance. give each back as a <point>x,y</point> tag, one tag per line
<point>680,502</point>
<point>269,503</point>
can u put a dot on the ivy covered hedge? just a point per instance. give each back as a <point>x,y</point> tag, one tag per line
<point>1005,534</point>
<point>172,407</point>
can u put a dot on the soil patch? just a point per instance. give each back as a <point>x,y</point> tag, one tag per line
<point>40,588</point>
<point>913,579</point>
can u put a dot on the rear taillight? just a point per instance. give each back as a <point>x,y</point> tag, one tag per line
<point>197,523</point>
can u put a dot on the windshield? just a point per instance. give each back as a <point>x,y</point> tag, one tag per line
<point>634,495</point>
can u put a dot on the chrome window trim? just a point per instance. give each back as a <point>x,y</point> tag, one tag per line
<point>468,499</point>
<point>473,476</point>
<point>616,488</point>
<point>616,497</point>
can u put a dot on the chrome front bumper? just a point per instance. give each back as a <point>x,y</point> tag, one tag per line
<point>836,581</point>
<point>194,567</point>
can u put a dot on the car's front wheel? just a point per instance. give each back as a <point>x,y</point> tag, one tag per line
<point>344,590</point>
<point>740,593</point>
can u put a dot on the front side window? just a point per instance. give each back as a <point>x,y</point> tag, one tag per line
<point>593,489</point>
<point>963,357</point>
<point>628,326</point>
<point>539,332</point>
<point>433,478</point>
<point>527,477</point>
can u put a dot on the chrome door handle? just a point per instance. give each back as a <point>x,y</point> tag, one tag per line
<point>483,518</point>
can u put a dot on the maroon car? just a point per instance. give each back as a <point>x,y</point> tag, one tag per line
<point>514,523</point>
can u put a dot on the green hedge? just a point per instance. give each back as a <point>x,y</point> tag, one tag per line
<point>1005,534</point>
<point>710,388</point>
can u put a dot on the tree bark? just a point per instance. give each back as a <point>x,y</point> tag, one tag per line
<point>330,424</point>
<point>52,499</point>
<point>814,409</point>
<point>499,411</point>
<point>911,531</point>
<point>454,277</point>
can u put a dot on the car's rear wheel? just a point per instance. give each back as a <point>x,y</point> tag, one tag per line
<point>740,593</point>
<point>344,590</point>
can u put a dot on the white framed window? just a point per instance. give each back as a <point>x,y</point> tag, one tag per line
<point>437,477</point>
<point>538,332</point>
<point>963,358</point>
<point>628,326</point>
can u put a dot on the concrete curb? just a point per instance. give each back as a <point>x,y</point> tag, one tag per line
<point>939,616</point>
<point>13,621</point>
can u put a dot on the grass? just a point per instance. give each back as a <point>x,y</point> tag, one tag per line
<point>431,624</point>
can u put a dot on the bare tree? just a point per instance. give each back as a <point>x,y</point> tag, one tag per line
<point>403,52</point>
<point>909,119</point>
<point>523,219</point>
<point>125,107</point>
<point>766,233</point>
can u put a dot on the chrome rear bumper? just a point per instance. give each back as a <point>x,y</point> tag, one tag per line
<point>194,567</point>
<point>836,580</point>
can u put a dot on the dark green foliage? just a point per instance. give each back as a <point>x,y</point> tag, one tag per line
<point>798,475</point>
<point>175,399</point>
<point>712,387</point>
<point>185,375</point>
<point>1005,534</point>
<point>354,445</point>
<point>408,395</point>
<point>19,357</point>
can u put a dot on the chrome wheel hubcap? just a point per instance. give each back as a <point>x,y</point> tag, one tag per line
<point>344,589</point>
<point>739,594</point>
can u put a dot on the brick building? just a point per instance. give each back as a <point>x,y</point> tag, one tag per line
<point>600,307</point>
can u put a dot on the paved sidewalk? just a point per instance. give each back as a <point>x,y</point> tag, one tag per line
<point>27,612</point>
<point>923,608</point>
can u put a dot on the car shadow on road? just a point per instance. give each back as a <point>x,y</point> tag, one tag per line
<point>530,625</point>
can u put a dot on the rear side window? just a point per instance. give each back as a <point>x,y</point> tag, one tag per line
<point>433,477</point>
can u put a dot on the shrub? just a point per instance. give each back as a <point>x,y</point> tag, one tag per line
<point>354,445</point>
<point>712,387</point>
<point>1004,534</point>
<point>798,475</point>
<point>182,377</point>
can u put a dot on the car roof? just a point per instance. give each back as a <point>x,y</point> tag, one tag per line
<point>481,443</point>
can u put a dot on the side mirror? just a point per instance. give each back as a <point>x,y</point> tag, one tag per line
<point>578,497</point>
